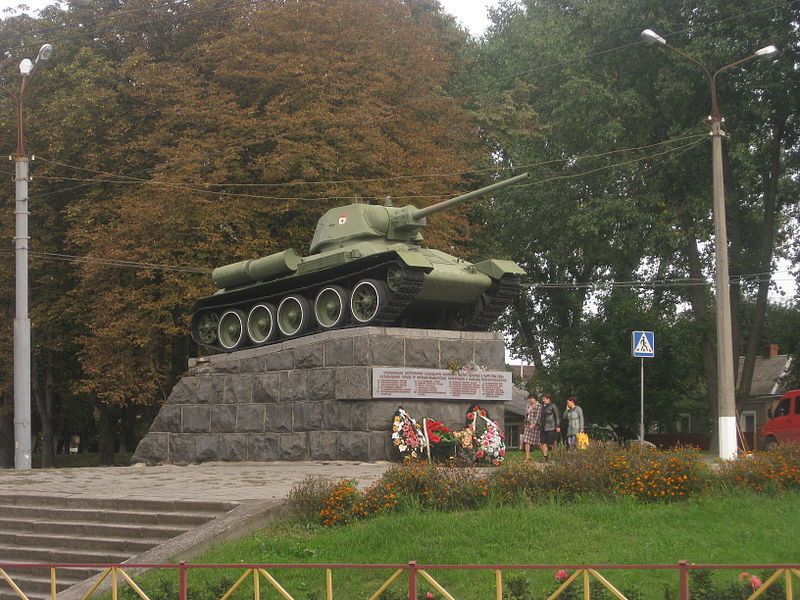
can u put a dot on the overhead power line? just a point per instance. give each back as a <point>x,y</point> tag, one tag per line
<point>128,264</point>
<point>389,178</point>
<point>195,187</point>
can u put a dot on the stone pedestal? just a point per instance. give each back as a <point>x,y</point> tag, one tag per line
<point>309,398</point>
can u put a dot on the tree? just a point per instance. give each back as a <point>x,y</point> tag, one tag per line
<point>577,67</point>
<point>205,132</point>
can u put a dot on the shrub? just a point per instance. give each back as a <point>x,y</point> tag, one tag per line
<point>648,474</point>
<point>444,488</point>
<point>739,586</point>
<point>307,498</point>
<point>569,475</point>
<point>770,471</point>
<point>342,506</point>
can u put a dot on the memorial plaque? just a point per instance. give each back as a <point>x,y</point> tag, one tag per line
<point>441,384</point>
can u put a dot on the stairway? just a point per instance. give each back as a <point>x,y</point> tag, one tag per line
<point>51,529</point>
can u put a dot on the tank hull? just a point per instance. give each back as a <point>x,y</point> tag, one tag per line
<point>366,267</point>
<point>434,290</point>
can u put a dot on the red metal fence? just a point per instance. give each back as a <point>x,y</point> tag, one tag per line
<point>113,576</point>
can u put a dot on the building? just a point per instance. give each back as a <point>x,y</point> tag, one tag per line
<point>769,384</point>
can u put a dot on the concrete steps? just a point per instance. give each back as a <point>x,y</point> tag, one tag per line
<point>48,529</point>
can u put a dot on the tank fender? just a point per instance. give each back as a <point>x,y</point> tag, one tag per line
<point>496,268</point>
<point>254,270</point>
<point>414,259</point>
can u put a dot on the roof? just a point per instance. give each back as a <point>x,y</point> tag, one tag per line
<point>518,402</point>
<point>768,375</point>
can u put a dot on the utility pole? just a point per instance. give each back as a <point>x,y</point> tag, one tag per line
<point>726,399</point>
<point>22,322</point>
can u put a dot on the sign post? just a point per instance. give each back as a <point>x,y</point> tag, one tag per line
<point>643,345</point>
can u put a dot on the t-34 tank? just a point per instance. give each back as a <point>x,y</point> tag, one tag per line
<point>365,267</point>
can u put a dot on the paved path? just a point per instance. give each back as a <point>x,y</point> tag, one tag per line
<point>207,481</point>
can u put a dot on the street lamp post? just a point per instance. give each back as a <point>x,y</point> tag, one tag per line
<point>22,323</point>
<point>726,399</point>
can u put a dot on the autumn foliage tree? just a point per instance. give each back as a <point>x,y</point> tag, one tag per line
<point>176,137</point>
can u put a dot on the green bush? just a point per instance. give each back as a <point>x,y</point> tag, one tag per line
<point>771,471</point>
<point>647,474</point>
<point>644,474</point>
<point>307,498</point>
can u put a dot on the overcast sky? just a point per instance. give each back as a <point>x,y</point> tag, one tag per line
<point>470,13</point>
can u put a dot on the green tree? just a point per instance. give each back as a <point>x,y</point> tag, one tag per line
<point>578,67</point>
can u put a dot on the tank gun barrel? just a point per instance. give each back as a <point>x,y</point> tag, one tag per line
<point>445,204</point>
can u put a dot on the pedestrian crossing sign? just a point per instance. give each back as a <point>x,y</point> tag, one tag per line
<point>643,344</point>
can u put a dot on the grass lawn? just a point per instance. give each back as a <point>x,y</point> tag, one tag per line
<point>737,528</point>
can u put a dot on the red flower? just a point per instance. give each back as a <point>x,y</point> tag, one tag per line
<point>429,596</point>
<point>479,454</point>
<point>561,575</point>
<point>502,451</point>
<point>755,582</point>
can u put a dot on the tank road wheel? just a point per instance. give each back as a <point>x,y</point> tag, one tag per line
<point>206,328</point>
<point>294,314</point>
<point>231,329</point>
<point>329,307</point>
<point>261,324</point>
<point>395,277</point>
<point>367,299</point>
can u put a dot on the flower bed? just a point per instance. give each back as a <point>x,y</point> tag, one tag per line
<point>646,475</point>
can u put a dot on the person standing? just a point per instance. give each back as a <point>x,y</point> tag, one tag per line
<point>531,434</point>
<point>573,415</point>
<point>551,426</point>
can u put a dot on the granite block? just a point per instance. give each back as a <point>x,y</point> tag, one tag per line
<point>278,418</point>
<point>167,420</point>
<point>293,446</point>
<point>321,384</point>
<point>181,448</point>
<point>267,388</point>
<point>196,419</point>
<point>293,386</point>
<point>223,418</point>
<point>262,447</point>
<point>279,361</point>
<point>422,352</point>
<point>210,389</point>
<point>184,392</point>
<point>238,389</point>
<point>353,383</point>
<point>323,445</point>
<point>250,418</point>
<point>206,448</point>
<point>308,357</point>
<point>233,447</point>
<point>339,352</point>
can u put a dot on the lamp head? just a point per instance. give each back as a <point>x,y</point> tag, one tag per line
<point>25,67</point>
<point>652,38</point>
<point>767,52</point>
<point>45,52</point>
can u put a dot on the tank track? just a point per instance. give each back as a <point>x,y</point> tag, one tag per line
<point>399,300</point>
<point>392,311</point>
<point>508,286</point>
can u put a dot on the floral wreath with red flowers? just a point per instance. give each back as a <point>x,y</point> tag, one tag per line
<point>407,435</point>
<point>481,438</point>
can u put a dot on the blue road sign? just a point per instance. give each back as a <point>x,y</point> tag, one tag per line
<point>643,344</point>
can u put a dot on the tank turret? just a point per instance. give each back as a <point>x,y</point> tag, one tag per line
<point>366,266</point>
<point>358,222</point>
